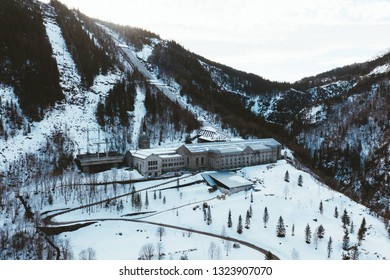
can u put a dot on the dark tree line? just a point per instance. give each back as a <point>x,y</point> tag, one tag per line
<point>137,37</point>
<point>90,59</point>
<point>348,72</point>
<point>26,61</point>
<point>160,107</point>
<point>246,82</point>
<point>119,101</point>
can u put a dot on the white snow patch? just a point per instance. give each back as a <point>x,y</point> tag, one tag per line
<point>380,70</point>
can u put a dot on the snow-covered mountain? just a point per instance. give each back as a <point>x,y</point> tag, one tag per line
<point>70,84</point>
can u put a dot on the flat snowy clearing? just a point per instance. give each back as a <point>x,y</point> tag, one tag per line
<point>117,235</point>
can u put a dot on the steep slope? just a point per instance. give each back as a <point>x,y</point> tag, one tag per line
<point>341,117</point>
<point>63,77</point>
<point>335,121</point>
<point>26,62</point>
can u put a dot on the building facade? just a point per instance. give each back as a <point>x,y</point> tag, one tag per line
<point>205,156</point>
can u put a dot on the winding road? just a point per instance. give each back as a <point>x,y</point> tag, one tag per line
<point>49,223</point>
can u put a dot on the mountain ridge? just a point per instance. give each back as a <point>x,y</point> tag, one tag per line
<point>325,119</point>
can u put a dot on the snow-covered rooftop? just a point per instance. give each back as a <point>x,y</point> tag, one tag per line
<point>232,146</point>
<point>230,180</point>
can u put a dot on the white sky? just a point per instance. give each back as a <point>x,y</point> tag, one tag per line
<point>280,40</point>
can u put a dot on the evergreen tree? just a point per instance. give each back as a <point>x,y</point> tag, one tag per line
<point>247,220</point>
<point>300,180</point>
<point>50,199</point>
<point>265,217</point>
<point>320,231</point>
<point>250,211</point>
<point>354,252</point>
<point>345,218</point>
<point>345,256</point>
<point>230,223</point>
<point>329,247</point>
<point>280,228</point>
<point>293,230</point>
<point>346,239</point>
<point>352,230</point>
<point>154,195</point>
<point>146,200</point>
<point>251,197</point>
<point>362,231</point>
<point>307,234</point>
<point>321,207</point>
<point>209,219</point>
<point>287,176</point>
<point>336,212</point>
<point>239,226</point>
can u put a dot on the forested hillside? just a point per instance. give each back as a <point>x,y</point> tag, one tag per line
<point>89,49</point>
<point>67,87</point>
<point>336,122</point>
<point>26,61</point>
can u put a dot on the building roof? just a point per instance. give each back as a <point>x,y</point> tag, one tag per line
<point>210,134</point>
<point>214,147</point>
<point>230,180</point>
<point>144,153</point>
<point>232,146</point>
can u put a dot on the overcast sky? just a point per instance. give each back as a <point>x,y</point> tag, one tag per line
<point>283,40</point>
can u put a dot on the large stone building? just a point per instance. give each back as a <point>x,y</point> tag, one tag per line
<point>204,156</point>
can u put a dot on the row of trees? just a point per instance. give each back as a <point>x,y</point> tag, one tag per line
<point>287,178</point>
<point>118,103</point>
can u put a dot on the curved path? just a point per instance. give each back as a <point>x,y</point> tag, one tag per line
<point>206,233</point>
<point>67,210</point>
<point>48,220</point>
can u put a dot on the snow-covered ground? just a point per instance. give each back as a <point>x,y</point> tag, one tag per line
<point>298,206</point>
<point>380,69</point>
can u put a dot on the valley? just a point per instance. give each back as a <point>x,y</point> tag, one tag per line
<point>87,86</point>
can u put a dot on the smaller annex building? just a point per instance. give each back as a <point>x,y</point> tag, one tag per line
<point>204,156</point>
<point>227,182</point>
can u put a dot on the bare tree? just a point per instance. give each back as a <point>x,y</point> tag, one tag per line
<point>315,238</point>
<point>87,254</point>
<point>294,254</point>
<point>212,251</point>
<point>228,246</point>
<point>218,254</point>
<point>147,252</point>
<point>160,251</point>
<point>160,232</point>
<point>223,232</point>
<point>66,250</point>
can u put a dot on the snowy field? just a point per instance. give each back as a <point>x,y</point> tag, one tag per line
<point>123,236</point>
